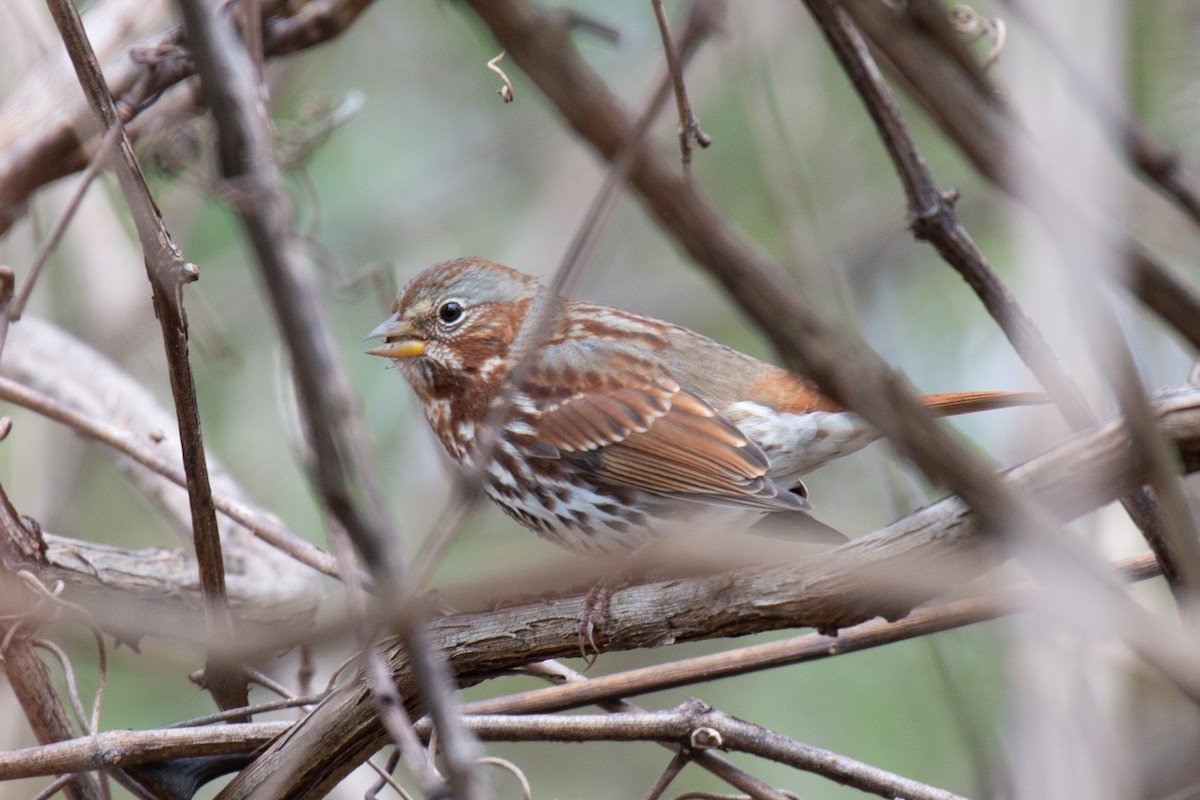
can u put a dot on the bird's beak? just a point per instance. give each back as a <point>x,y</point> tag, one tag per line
<point>399,339</point>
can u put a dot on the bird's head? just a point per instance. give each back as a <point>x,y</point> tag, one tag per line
<point>455,320</point>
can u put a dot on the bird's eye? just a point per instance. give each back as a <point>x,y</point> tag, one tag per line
<point>451,313</point>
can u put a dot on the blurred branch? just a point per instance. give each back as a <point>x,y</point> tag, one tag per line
<point>341,468</point>
<point>257,522</point>
<point>27,676</point>
<point>40,148</point>
<point>168,273</point>
<point>124,586</point>
<point>937,548</point>
<point>702,20</point>
<point>15,306</point>
<point>1171,535</point>
<point>71,383</point>
<point>1158,163</point>
<point>980,124</point>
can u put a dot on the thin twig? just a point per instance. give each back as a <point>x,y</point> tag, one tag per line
<point>249,711</point>
<point>168,273</point>
<point>385,779</point>
<point>673,768</point>
<point>701,22</point>
<point>505,91</point>
<point>735,776</point>
<point>698,726</point>
<point>934,220</point>
<point>16,306</point>
<point>689,127</point>
<point>261,525</point>
<point>512,769</point>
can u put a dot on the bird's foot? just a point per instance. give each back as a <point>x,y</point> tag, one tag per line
<point>595,606</point>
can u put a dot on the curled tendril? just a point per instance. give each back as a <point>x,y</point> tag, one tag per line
<point>971,24</point>
<point>505,764</point>
<point>505,91</point>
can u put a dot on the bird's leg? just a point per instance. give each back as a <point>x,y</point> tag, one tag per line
<point>595,604</point>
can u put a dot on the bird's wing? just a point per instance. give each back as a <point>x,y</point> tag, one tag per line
<point>634,425</point>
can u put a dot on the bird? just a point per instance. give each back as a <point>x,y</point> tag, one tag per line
<point>612,427</point>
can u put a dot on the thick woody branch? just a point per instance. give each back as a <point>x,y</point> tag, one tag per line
<point>937,546</point>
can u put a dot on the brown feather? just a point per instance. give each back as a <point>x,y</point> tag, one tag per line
<point>586,421</point>
<point>950,403</point>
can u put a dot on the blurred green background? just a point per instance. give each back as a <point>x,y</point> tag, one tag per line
<point>435,167</point>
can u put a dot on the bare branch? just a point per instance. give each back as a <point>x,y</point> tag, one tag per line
<point>974,115</point>
<point>168,273</point>
<point>694,725</point>
<point>73,384</point>
<point>25,672</point>
<point>831,590</point>
<point>934,220</point>
<point>689,127</point>
<point>47,145</point>
<point>342,469</point>
<point>126,748</point>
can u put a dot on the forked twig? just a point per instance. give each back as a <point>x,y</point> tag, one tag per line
<point>690,134</point>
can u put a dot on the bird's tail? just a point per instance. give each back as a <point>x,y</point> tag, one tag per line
<point>948,404</point>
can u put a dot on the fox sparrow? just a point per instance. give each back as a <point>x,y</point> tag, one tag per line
<point>618,425</point>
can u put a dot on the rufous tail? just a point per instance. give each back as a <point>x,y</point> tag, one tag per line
<point>951,403</point>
